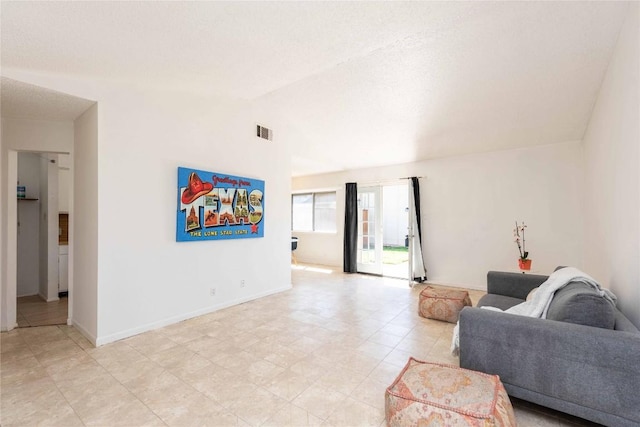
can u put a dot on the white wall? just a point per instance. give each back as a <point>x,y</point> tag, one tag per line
<point>4,323</point>
<point>49,227</point>
<point>144,278</point>
<point>9,204</point>
<point>83,226</point>
<point>28,257</point>
<point>43,245</point>
<point>612,167</point>
<point>469,205</point>
<point>37,135</point>
<point>64,182</point>
<point>21,135</point>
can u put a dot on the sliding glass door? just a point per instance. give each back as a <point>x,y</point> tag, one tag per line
<point>369,230</point>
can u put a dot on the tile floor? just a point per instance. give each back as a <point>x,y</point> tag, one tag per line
<point>34,311</point>
<point>320,354</point>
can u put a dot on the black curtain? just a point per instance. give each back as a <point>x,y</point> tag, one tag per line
<point>419,272</point>
<point>350,228</point>
<point>416,198</point>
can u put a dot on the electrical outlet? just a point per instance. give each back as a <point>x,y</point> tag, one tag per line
<point>242,283</point>
<point>212,292</point>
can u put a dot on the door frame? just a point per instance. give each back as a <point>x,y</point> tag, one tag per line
<point>376,266</point>
<point>9,297</point>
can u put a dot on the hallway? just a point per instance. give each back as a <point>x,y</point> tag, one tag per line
<point>34,311</point>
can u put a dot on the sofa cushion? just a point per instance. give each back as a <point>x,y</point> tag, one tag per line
<point>580,303</point>
<point>499,301</point>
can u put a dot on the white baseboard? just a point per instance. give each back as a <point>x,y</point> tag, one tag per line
<point>83,331</point>
<point>9,329</point>
<point>28,295</point>
<point>42,297</point>
<point>179,318</point>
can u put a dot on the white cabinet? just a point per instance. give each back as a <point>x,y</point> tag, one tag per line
<point>63,268</point>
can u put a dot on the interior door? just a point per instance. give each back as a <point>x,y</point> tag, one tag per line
<point>370,230</point>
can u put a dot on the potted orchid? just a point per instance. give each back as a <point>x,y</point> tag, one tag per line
<point>523,262</point>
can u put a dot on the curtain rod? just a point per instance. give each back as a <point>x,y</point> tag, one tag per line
<point>409,177</point>
<point>389,181</point>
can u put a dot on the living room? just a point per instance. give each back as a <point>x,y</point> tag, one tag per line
<point>528,114</point>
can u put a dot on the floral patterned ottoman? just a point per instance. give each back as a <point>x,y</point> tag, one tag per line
<point>442,304</point>
<point>432,394</point>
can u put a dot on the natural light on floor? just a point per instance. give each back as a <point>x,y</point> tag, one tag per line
<point>309,268</point>
<point>386,281</point>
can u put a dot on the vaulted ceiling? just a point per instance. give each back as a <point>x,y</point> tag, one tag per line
<point>364,83</point>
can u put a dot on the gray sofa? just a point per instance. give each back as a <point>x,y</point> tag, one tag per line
<point>581,359</point>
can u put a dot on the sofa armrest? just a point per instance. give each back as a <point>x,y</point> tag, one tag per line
<point>590,367</point>
<point>515,285</point>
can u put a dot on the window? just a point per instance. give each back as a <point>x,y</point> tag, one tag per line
<point>302,212</point>
<point>314,212</point>
<point>324,212</point>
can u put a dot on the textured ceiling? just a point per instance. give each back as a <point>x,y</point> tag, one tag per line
<point>24,101</point>
<point>365,83</point>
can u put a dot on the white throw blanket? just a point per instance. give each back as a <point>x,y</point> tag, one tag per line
<point>539,304</point>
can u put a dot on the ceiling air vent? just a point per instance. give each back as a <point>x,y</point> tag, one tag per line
<point>264,133</point>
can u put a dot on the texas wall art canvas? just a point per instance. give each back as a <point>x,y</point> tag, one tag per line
<point>217,206</point>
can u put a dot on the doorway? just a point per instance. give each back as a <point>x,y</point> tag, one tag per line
<point>383,236</point>
<point>370,230</point>
<point>38,119</point>
<point>42,239</point>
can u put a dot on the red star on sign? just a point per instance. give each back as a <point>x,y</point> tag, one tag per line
<point>254,228</point>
